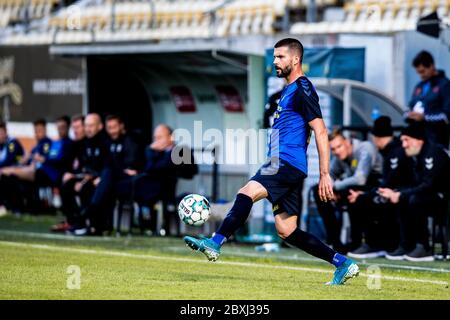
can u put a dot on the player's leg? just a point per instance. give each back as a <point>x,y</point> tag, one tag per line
<point>247,195</point>
<point>287,229</point>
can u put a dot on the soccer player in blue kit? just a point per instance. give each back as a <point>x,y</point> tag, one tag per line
<point>298,113</point>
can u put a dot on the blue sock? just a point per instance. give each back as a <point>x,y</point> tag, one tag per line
<point>218,238</point>
<point>338,260</point>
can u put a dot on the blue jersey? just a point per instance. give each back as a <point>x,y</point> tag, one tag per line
<point>298,105</point>
<point>42,148</point>
<point>10,153</point>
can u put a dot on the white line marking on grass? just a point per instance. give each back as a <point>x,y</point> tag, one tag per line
<point>230,263</point>
<point>297,258</point>
<point>52,236</point>
<point>241,254</point>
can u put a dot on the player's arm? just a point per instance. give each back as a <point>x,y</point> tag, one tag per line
<point>323,148</point>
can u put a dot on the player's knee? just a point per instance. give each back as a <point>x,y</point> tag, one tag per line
<point>250,191</point>
<point>284,230</point>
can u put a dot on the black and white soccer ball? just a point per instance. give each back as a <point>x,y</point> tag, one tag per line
<point>194,210</point>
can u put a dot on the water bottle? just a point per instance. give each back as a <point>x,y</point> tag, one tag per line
<point>375,113</point>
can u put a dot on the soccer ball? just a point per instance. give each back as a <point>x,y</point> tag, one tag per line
<point>194,210</point>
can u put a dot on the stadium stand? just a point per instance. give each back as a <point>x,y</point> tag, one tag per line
<point>138,20</point>
<point>105,21</point>
<point>367,16</point>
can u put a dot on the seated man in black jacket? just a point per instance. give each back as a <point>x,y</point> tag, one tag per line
<point>427,196</point>
<point>122,162</point>
<point>165,162</point>
<point>378,216</point>
<point>92,162</point>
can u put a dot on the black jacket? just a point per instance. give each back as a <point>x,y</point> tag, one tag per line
<point>431,172</point>
<point>95,154</point>
<point>434,96</point>
<point>124,154</point>
<point>397,167</point>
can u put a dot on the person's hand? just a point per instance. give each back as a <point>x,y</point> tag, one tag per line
<point>130,172</point>
<point>354,195</point>
<point>96,181</point>
<point>326,188</point>
<point>67,176</point>
<point>157,145</point>
<point>38,158</point>
<point>416,116</point>
<point>393,196</point>
<point>78,186</point>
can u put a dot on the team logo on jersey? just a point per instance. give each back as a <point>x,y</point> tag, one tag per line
<point>46,147</point>
<point>11,147</point>
<point>429,163</point>
<point>394,163</point>
<point>277,113</point>
<point>436,89</point>
<point>354,163</point>
<point>306,88</point>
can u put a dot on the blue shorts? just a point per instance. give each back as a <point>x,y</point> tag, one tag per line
<point>282,183</point>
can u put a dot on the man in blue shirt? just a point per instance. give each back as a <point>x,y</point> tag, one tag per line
<point>18,180</point>
<point>430,101</point>
<point>11,152</point>
<point>298,114</point>
<point>59,159</point>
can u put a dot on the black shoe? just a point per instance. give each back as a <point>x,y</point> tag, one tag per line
<point>366,252</point>
<point>397,254</point>
<point>419,254</point>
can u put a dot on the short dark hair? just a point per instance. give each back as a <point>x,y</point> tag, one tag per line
<point>65,119</point>
<point>40,122</point>
<point>77,117</point>
<point>2,125</point>
<point>112,117</point>
<point>292,44</point>
<point>423,58</point>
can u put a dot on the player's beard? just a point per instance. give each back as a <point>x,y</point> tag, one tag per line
<point>285,72</point>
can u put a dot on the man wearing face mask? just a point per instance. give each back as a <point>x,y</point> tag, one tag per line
<point>430,102</point>
<point>428,195</point>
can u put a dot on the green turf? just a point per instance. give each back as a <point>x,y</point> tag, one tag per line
<point>34,266</point>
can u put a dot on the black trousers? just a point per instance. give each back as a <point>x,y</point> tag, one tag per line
<point>17,195</point>
<point>145,191</point>
<point>70,207</point>
<point>379,221</point>
<point>413,213</point>
<point>333,222</point>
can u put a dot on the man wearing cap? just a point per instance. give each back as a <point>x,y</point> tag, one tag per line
<point>428,195</point>
<point>379,221</point>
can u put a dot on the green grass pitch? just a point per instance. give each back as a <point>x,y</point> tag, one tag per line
<point>35,264</point>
